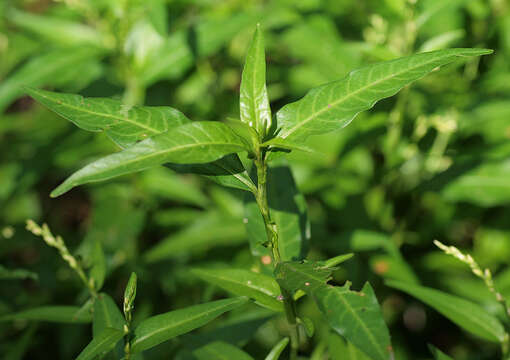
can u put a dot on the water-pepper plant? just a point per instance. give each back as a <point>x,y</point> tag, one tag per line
<point>248,154</point>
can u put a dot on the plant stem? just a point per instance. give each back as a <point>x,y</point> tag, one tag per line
<point>272,236</point>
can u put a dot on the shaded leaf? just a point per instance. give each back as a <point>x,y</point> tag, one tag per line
<point>160,328</point>
<point>98,270</point>
<point>466,314</point>
<point>61,314</point>
<point>197,142</point>
<point>220,351</point>
<point>438,354</point>
<point>262,288</point>
<point>16,274</point>
<point>332,106</point>
<point>277,350</point>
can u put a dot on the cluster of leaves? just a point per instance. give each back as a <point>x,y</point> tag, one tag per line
<point>430,163</point>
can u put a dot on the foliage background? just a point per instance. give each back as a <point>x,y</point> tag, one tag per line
<point>429,163</point>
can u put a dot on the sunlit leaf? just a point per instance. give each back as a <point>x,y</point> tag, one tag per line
<point>101,344</point>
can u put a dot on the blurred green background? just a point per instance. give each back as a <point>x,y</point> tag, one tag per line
<point>431,163</point>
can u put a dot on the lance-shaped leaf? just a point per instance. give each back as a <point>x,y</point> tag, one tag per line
<point>355,315</point>
<point>254,102</point>
<point>288,211</point>
<point>438,354</point>
<point>61,314</point>
<point>333,105</point>
<point>196,142</point>
<point>262,288</point>
<point>466,314</point>
<point>106,315</point>
<point>125,126</point>
<point>163,327</point>
<point>101,344</point>
<point>277,350</point>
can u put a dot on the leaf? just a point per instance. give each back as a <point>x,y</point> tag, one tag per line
<point>46,69</point>
<point>219,350</point>
<point>438,354</point>
<point>337,260</point>
<point>262,288</point>
<point>213,229</point>
<point>196,142</point>
<point>58,30</point>
<point>160,328</point>
<point>106,315</point>
<point>61,314</point>
<point>98,270</point>
<point>466,314</point>
<point>333,105</point>
<point>227,171</point>
<point>6,273</point>
<point>101,344</point>
<point>288,211</point>
<point>355,315</point>
<point>339,349</point>
<point>124,125</point>
<point>254,102</point>
<point>277,350</point>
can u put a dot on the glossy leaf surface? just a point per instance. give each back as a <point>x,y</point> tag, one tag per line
<point>355,315</point>
<point>101,344</point>
<point>262,288</point>
<point>160,328</point>
<point>254,102</point>
<point>197,142</point>
<point>466,314</point>
<point>334,105</point>
<point>124,125</point>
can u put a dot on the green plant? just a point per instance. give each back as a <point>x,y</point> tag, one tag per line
<point>245,154</point>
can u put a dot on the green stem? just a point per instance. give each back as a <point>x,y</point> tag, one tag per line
<point>272,236</point>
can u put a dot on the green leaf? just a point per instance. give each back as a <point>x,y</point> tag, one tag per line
<point>61,314</point>
<point>466,314</point>
<point>332,106</point>
<point>106,315</point>
<point>288,211</point>
<point>438,354</point>
<point>254,102</point>
<point>277,350</point>
<point>163,327</point>
<point>339,349</point>
<point>355,315</point>
<point>219,350</point>
<point>262,288</point>
<point>46,69</point>
<point>124,125</point>
<point>98,270</point>
<point>6,273</point>
<point>58,30</point>
<point>196,142</point>
<point>213,229</point>
<point>334,261</point>
<point>130,293</point>
<point>101,344</point>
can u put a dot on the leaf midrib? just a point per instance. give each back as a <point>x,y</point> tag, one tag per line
<point>355,92</point>
<point>184,321</point>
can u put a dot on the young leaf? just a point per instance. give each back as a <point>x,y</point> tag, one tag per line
<point>106,315</point>
<point>262,288</point>
<point>438,354</point>
<point>354,315</point>
<point>125,126</point>
<point>220,350</point>
<point>254,102</point>
<point>163,327</point>
<point>130,295</point>
<point>101,344</point>
<point>332,106</point>
<point>61,314</point>
<point>288,211</point>
<point>277,350</point>
<point>98,270</point>
<point>466,314</point>
<point>196,142</point>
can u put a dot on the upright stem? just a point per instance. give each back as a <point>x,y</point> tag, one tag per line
<point>272,236</point>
